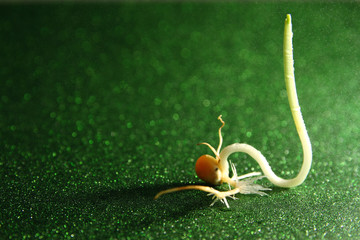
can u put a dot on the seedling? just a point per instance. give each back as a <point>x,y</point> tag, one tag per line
<point>215,171</point>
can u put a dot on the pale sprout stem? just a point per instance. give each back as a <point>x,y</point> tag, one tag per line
<point>248,175</point>
<point>298,120</point>
<point>220,136</point>
<point>211,148</point>
<point>217,195</point>
<point>294,106</point>
<point>223,165</point>
<point>190,187</point>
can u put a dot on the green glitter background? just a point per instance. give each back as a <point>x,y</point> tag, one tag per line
<point>102,106</point>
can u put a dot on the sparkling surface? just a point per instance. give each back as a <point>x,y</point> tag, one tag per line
<point>102,106</point>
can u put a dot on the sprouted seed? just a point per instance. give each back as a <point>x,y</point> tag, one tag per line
<point>215,170</point>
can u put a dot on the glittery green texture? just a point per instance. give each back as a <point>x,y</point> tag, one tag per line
<point>102,106</point>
